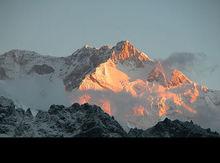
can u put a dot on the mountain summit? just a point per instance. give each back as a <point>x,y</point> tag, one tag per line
<point>125,51</point>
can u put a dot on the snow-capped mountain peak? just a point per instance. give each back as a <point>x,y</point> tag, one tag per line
<point>19,53</point>
<point>124,81</point>
<point>125,51</point>
<point>167,77</point>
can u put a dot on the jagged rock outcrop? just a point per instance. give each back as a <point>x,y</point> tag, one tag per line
<point>3,74</point>
<point>59,121</point>
<point>42,69</point>
<point>176,128</point>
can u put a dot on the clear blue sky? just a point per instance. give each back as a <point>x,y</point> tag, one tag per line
<point>158,27</point>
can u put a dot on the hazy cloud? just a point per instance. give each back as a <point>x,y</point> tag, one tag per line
<point>184,60</point>
<point>198,66</point>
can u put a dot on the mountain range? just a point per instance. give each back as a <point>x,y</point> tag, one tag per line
<point>125,82</point>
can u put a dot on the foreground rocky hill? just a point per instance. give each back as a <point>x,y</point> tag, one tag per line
<point>59,121</point>
<point>176,128</point>
<point>83,121</point>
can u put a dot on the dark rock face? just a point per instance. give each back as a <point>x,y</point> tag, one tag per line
<point>3,74</point>
<point>100,125</point>
<point>8,117</point>
<point>42,69</point>
<point>5,102</point>
<point>89,58</point>
<point>83,121</point>
<point>176,128</point>
<point>59,121</point>
<point>75,77</point>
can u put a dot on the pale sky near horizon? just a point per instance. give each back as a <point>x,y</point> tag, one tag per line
<point>157,27</point>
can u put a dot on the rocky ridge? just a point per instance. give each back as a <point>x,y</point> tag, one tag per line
<point>83,121</point>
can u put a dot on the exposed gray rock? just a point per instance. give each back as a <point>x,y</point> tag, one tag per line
<point>5,102</point>
<point>176,128</point>
<point>89,58</point>
<point>59,121</point>
<point>3,74</point>
<point>42,69</point>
